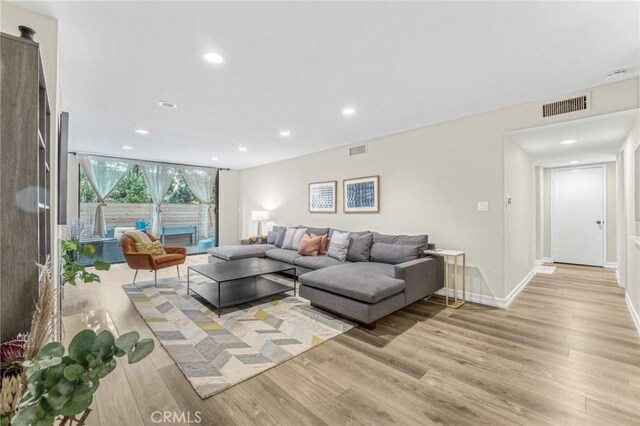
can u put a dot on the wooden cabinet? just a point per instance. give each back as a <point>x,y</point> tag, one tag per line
<point>24,181</point>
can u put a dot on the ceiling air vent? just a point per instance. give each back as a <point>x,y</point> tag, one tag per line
<point>357,150</point>
<point>565,106</point>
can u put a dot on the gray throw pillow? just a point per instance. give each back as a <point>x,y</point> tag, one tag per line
<point>339,245</point>
<point>280,238</point>
<point>300,232</point>
<point>360,247</point>
<point>394,253</point>
<point>271,237</point>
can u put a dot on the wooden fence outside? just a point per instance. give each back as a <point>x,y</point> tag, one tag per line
<point>127,214</point>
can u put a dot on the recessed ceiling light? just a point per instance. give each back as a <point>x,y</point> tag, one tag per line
<point>142,131</point>
<point>568,142</point>
<point>167,104</point>
<point>214,158</point>
<point>127,147</point>
<point>214,58</point>
<point>242,148</point>
<point>615,74</point>
<point>348,111</point>
<point>285,133</point>
<point>574,162</point>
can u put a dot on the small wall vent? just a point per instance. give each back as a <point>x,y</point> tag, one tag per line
<point>357,150</point>
<point>581,103</point>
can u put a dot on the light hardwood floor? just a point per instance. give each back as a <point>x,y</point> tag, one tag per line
<point>565,352</point>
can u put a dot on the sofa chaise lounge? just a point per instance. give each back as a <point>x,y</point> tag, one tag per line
<point>381,273</point>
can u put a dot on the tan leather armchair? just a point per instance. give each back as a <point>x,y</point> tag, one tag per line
<point>175,256</point>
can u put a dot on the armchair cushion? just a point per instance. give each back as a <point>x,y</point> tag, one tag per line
<point>166,258</point>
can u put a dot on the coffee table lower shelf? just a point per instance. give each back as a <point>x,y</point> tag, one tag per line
<point>236,292</point>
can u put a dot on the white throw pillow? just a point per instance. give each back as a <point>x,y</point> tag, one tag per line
<point>298,238</point>
<point>338,245</point>
<point>288,238</point>
<point>292,238</point>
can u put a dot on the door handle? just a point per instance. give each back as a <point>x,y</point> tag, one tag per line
<point>600,222</point>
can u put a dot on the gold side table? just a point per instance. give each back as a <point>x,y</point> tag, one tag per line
<point>449,255</point>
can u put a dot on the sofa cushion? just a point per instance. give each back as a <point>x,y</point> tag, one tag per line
<point>365,281</point>
<point>331,231</point>
<point>324,244</point>
<point>315,231</point>
<point>240,252</point>
<point>421,240</point>
<point>394,253</point>
<point>282,255</point>
<point>360,247</point>
<point>338,245</point>
<point>316,262</point>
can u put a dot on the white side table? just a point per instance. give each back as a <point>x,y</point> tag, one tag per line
<point>449,255</point>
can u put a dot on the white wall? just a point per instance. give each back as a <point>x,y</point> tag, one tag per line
<point>431,179</point>
<point>630,145</point>
<point>611,203</point>
<point>520,214</point>
<point>228,211</point>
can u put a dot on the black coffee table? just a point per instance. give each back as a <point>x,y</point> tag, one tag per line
<point>239,281</point>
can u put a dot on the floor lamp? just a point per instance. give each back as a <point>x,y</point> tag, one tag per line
<point>259,215</point>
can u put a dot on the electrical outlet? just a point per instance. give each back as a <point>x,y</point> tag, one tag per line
<point>483,206</point>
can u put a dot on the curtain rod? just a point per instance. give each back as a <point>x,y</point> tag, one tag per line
<point>147,161</point>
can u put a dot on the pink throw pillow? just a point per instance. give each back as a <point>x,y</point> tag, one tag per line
<point>309,246</point>
<point>323,245</point>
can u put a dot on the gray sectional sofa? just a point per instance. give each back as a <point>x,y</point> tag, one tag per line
<point>381,273</point>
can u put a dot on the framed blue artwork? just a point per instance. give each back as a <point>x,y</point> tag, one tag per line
<point>362,195</point>
<point>322,197</point>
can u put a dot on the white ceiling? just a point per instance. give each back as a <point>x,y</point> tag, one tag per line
<point>294,66</point>
<point>598,139</point>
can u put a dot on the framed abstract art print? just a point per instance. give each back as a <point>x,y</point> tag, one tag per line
<point>361,195</point>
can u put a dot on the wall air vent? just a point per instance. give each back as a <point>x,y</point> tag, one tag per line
<point>581,103</point>
<point>357,150</point>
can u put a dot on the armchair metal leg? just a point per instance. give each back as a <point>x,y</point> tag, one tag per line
<point>155,277</point>
<point>135,276</point>
<point>178,268</point>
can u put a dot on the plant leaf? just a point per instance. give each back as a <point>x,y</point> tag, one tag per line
<point>71,408</point>
<point>141,350</point>
<point>101,265</point>
<point>81,345</point>
<point>127,341</point>
<point>73,372</point>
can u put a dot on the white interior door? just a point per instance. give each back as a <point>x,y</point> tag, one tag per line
<point>577,217</point>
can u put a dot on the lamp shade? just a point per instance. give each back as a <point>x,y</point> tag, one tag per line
<point>259,215</point>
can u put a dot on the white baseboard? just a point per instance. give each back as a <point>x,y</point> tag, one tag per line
<point>497,302</point>
<point>618,278</point>
<point>612,265</point>
<point>632,311</point>
<point>544,260</point>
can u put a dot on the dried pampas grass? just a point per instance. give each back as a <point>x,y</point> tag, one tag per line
<point>42,322</point>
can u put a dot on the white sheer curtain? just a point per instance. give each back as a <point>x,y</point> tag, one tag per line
<point>103,174</point>
<point>202,182</point>
<point>158,178</point>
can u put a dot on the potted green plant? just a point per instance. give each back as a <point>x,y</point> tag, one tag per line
<point>59,385</point>
<point>72,249</point>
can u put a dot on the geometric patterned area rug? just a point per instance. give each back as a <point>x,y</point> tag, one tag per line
<point>217,353</point>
